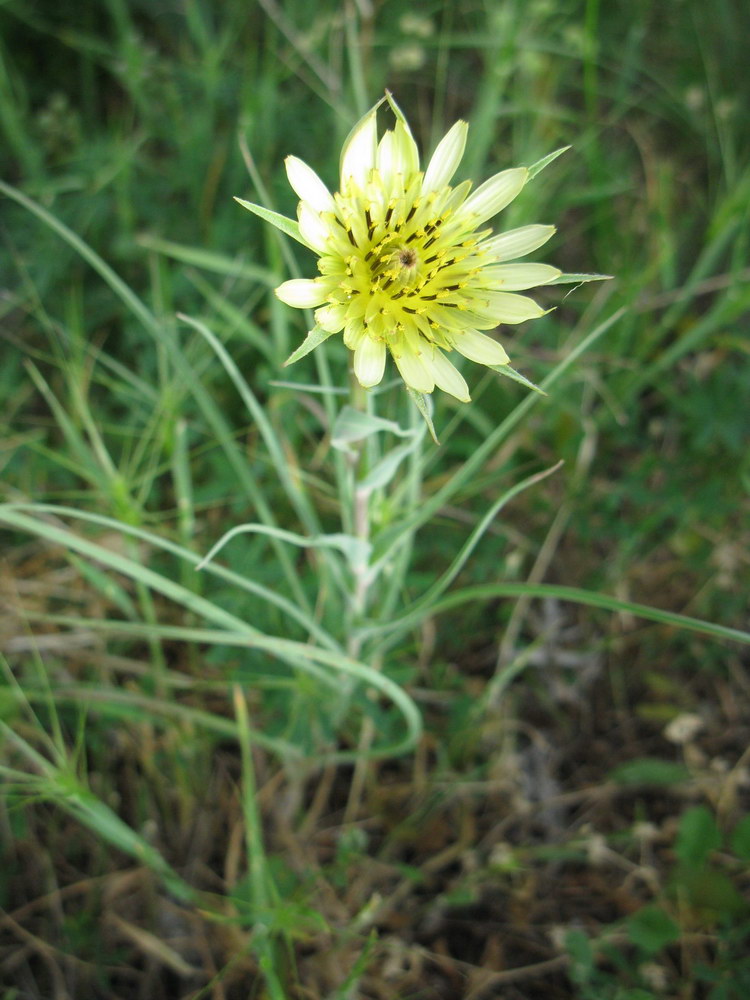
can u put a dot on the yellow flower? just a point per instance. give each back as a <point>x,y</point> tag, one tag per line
<point>407,264</point>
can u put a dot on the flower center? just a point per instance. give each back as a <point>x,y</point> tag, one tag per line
<point>405,264</point>
<point>407,257</point>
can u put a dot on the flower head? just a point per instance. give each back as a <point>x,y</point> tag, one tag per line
<point>408,265</point>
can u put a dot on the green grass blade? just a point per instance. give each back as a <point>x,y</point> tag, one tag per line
<point>575,595</point>
<point>294,653</point>
<point>208,260</point>
<point>306,621</point>
<point>475,461</point>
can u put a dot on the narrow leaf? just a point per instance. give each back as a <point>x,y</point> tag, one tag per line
<point>578,279</point>
<point>208,260</point>
<point>287,226</point>
<point>382,473</point>
<point>314,339</point>
<point>516,377</point>
<point>545,161</point>
<point>355,549</point>
<point>151,946</point>
<point>421,402</point>
<point>354,425</point>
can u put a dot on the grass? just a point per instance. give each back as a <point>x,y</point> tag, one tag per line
<point>202,795</point>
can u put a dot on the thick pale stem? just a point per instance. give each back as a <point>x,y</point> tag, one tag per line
<point>360,519</point>
<point>358,601</point>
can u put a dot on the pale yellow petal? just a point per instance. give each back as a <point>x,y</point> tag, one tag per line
<point>406,152</point>
<point>447,377</point>
<point>358,154</point>
<point>386,157</point>
<point>495,194</point>
<point>516,277</point>
<point>354,331</point>
<point>301,293</point>
<point>313,229</point>
<point>480,348</point>
<point>369,361</point>
<point>332,318</point>
<point>446,158</point>
<point>410,363</point>
<point>308,186</point>
<point>510,308</point>
<point>517,242</point>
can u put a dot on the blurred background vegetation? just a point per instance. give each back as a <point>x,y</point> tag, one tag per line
<point>574,822</point>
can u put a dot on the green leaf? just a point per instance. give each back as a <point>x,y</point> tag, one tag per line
<point>545,161</point>
<point>697,837</point>
<point>314,339</point>
<point>711,893</point>
<point>351,983</point>
<point>740,840</point>
<point>425,408</point>
<point>578,279</point>
<point>354,425</point>
<point>511,373</point>
<point>356,550</point>
<point>106,585</point>
<point>287,226</point>
<point>208,260</point>
<point>649,771</point>
<point>652,929</point>
<point>382,473</point>
<point>581,956</point>
<point>301,655</point>
<point>97,816</point>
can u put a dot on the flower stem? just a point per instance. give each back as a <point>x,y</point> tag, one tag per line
<point>360,517</point>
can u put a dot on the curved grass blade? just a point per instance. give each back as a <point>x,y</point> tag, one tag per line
<point>158,331</point>
<point>306,621</point>
<point>575,595</point>
<point>422,608</point>
<point>297,654</point>
<point>468,470</point>
<point>356,550</point>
